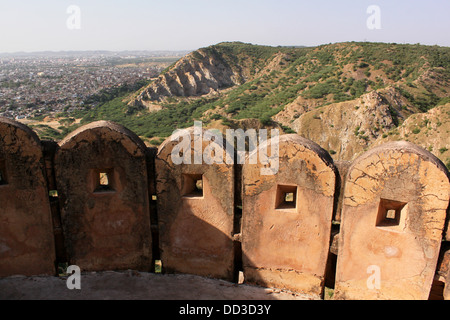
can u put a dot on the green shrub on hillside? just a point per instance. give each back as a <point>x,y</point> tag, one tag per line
<point>312,73</point>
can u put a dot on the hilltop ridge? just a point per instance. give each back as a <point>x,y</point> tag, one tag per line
<point>205,71</point>
<point>344,96</point>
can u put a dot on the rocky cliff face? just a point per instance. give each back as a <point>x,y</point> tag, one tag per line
<point>200,73</point>
<point>348,128</point>
<point>429,130</point>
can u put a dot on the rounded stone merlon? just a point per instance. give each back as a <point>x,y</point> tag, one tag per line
<point>21,126</point>
<point>393,156</point>
<point>308,144</point>
<point>286,242</point>
<point>68,141</point>
<point>395,206</point>
<point>26,229</point>
<point>403,147</point>
<point>191,131</point>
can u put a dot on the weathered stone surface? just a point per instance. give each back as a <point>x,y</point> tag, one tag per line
<point>106,221</point>
<point>26,235</point>
<point>196,229</point>
<point>285,244</point>
<point>394,211</point>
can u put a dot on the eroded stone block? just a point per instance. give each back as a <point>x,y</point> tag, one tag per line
<point>101,175</point>
<point>287,217</point>
<point>26,232</point>
<point>395,202</point>
<point>195,208</point>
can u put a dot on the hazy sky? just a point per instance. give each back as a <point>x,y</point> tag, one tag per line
<point>39,25</point>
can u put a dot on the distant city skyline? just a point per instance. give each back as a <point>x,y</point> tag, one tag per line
<point>179,25</point>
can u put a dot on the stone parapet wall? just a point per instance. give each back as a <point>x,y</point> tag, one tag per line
<point>374,228</point>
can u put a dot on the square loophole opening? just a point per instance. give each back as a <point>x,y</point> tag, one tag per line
<point>104,180</point>
<point>286,197</point>
<point>390,213</point>
<point>192,185</point>
<point>53,193</point>
<point>3,179</point>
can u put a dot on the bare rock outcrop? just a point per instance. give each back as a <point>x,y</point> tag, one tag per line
<point>202,72</point>
<point>347,128</point>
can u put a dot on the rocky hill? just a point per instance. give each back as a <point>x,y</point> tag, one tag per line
<point>197,74</point>
<point>344,96</point>
<point>431,130</point>
<point>206,71</point>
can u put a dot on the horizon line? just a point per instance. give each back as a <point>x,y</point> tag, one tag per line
<point>191,50</point>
